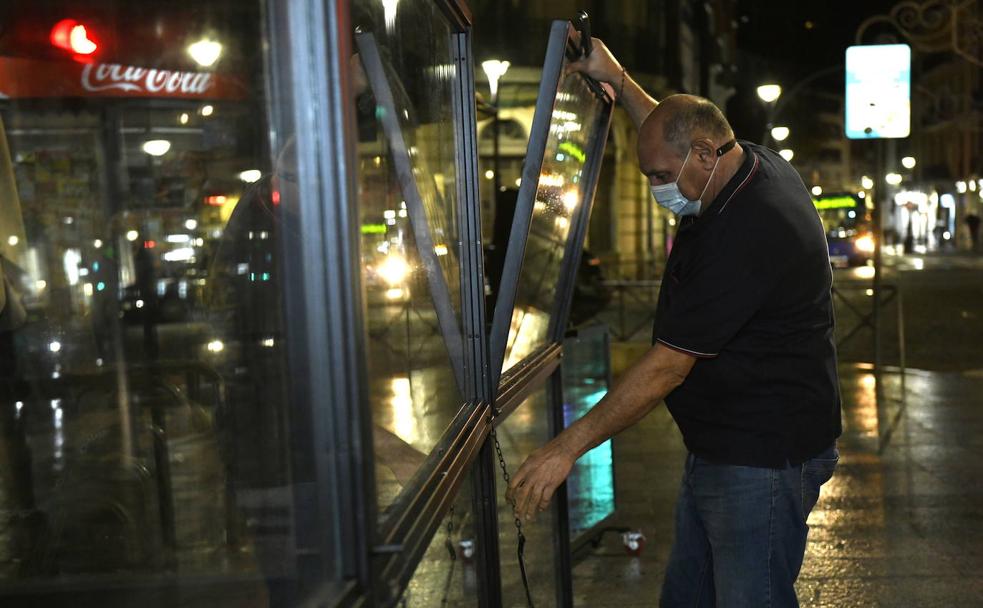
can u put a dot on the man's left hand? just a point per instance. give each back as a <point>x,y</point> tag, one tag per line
<point>539,476</point>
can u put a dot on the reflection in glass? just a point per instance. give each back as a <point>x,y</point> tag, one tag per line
<point>558,199</point>
<point>145,429</point>
<point>525,430</point>
<point>446,575</point>
<point>404,69</point>
<point>590,486</point>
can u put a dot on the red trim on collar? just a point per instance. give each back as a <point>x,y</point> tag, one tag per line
<point>746,181</point>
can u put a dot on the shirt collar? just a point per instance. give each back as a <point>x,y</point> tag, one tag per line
<point>745,172</point>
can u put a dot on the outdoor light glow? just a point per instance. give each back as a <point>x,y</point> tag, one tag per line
<point>190,223</point>
<point>394,294</point>
<point>13,240</point>
<point>769,92</point>
<point>40,284</point>
<point>394,270</point>
<point>864,243</point>
<point>862,194</point>
<point>972,186</point>
<point>72,36</point>
<point>440,249</point>
<point>960,187</point>
<point>156,147</point>
<point>787,154</point>
<point>489,174</point>
<point>866,182</point>
<point>817,190</point>
<point>138,304</point>
<point>181,254</point>
<point>893,178</point>
<point>570,199</point>
<point>54,346</point>
<point>205,52</point>
<point>207,110</point>
<point>132,235</point>
<point>215,346</point>
<point>184,118</point>
<point>97,243</point>
<point>251,176</point>
<point>494,70</point>
<point>908,162</point>
<point>779,133</point>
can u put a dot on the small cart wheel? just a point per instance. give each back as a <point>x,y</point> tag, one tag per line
<point>634,542</point>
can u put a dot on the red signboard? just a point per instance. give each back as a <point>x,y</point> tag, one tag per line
<point>25,78</point>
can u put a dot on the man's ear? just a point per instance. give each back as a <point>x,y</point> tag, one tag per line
<point>705,152</point>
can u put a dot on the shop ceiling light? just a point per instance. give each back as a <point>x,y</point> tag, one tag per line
<point>156,147</point>
<point>205,52</point>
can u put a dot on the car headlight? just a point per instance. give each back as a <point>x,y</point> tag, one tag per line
<point>864,243</point>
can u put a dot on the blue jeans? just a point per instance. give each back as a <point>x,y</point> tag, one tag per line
<point>741,533</point>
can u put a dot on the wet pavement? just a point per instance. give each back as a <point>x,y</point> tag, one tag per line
<point>898,525</point>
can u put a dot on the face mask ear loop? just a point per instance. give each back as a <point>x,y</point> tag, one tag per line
<point>709,179</point>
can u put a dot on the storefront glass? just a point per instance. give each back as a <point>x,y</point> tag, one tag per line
<point>148,441</point>
<point>405,80</point>
<point>574,123</point>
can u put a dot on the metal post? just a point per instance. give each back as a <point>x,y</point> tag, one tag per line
<point>495,161</point>
<point>485,506</point>
<point>561,509</point>
<point>880,192</point>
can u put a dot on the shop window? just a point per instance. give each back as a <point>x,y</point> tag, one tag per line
<point>408,207</point>
<point>149,443</point>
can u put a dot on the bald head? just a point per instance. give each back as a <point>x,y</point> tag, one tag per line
<point>680,119</point>
<point>686,131</point>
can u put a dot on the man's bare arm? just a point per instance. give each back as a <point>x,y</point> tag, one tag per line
<point>636,394</point>
<point>603,67</point>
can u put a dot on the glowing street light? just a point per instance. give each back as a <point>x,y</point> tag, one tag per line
<point>769,92</point>
<point>817,190</point>
<point>908,162</point>
<point>787,154</point>
<point>779,133</point>
<point>893,178</point>
<point>866,182</point>
<point>494,70</point>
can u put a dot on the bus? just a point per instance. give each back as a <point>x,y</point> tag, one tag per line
<point>849,233</point>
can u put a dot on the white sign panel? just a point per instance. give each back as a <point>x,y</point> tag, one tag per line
<point>878,91</point>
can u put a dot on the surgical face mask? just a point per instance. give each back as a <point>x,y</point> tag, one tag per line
<point>669,196</point>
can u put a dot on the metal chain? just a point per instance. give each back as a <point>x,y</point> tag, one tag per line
<point>518,522</point>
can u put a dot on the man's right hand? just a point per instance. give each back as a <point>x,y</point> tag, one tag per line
<point>599,65</point>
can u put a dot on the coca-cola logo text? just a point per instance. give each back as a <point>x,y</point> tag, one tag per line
<point>108,76</point>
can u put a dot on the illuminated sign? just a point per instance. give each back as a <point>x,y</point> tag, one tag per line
<point>24,78</point>
<point>836,202</point>
<point>878,91</point>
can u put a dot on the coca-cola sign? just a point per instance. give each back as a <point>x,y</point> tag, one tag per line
<point>22,78</point>
<point>108,76</point>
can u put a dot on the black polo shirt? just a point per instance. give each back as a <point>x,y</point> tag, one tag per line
<point>747,291</point>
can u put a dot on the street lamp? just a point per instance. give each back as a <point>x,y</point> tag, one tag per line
<point>908,162</point>
<point>866,182</point>
<point>779,133</point>
<point>769,93</point>
<point>893,178</point>
<point>787,154</point>
<point>817,190</point>
<point>494,70</point>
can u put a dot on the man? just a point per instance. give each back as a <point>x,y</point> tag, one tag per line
<point>743,355</point>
